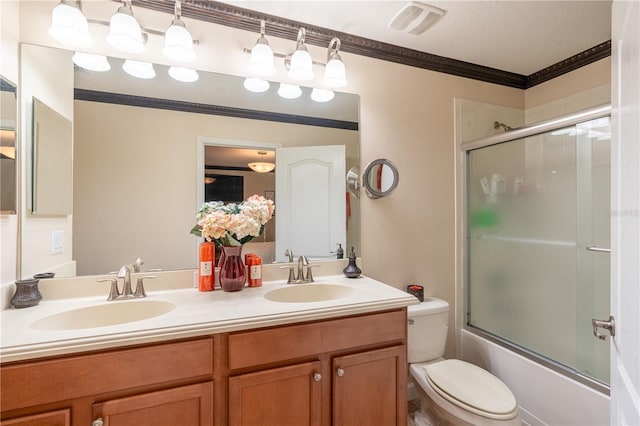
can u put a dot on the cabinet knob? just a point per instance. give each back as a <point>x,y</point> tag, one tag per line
<point>340,372</point>
<point>97,422</point>
<point>317,377</point>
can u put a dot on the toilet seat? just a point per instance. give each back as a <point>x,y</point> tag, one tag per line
<point>471,388</point>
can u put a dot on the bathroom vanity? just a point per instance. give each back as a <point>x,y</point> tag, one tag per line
<point>337,361</point>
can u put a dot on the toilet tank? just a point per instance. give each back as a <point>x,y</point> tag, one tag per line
<point>427,330</point>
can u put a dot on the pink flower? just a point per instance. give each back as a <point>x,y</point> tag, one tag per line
<point>233,224</point>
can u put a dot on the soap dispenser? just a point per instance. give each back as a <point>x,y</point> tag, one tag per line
<point>339,252</point>
<point>352,270</point>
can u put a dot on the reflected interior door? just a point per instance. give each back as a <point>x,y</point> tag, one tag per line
<point>310,200</point>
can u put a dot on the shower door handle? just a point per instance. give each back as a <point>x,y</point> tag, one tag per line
<point>607,325</point>
<point>598,249</point>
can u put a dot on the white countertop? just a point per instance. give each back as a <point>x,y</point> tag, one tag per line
<point>196,313</point>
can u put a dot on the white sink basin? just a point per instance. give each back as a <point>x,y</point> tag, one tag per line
<point>112,313</point>
<point>310,292</point>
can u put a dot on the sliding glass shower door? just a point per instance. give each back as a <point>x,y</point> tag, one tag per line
<point>538,231</point>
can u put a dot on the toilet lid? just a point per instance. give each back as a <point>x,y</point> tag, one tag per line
<point>471,387</point>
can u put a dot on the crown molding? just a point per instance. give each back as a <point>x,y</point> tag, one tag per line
<point>601,51</point>
<point>245,19</point>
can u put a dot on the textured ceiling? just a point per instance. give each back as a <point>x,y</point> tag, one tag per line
<point>516,36</point>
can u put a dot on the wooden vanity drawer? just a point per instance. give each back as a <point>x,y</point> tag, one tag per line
<point>40,382</point>
<point>250,348</point>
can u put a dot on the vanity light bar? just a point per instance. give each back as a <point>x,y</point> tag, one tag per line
<point>69,26</point>
<point>299,65</point>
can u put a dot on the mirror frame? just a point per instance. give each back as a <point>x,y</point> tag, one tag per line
<point>370,190</point>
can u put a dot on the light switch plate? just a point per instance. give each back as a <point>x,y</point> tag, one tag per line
<point>57,242</point>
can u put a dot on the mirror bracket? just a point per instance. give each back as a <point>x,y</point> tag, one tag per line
<point>353,181</point>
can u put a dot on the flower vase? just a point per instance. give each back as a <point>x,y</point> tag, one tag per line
<point>232,273</point>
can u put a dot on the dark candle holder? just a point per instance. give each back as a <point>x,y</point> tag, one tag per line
<point>27,294</point>
<point>417,291</point>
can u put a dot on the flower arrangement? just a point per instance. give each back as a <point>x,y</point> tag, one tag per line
<point>233,224</point>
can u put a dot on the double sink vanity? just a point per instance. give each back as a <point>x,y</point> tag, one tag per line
<point>329,352</point>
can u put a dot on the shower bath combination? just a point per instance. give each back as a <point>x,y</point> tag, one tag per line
<point>537,232</point>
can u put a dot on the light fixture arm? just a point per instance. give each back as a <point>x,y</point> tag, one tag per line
<point>178,9</point>
<point>263,28</point>
<point>301,36</point>
<point>335,50</point>
<point>128,5</point>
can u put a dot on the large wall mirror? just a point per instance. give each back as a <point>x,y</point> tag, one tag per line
<point>135,165</point>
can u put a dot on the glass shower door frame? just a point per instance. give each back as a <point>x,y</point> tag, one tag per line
<point>463,266</point>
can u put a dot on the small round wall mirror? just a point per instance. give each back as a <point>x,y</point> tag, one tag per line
<point>380,178</point>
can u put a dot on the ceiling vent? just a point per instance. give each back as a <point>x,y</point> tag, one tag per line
<point>416,18</point>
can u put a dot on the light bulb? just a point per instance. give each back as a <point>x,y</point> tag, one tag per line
<point>289,91</point>
<point>301,67</point>
<point>91,61</point>
<point>125,33</point>
<point>186,75</point>
<point>69,25</point>
<point>322,95</point>
<point>256,85</point>
<point>335,73</point>
<point>139,69</point>
<point>178,43</point>
<point>261,62</point>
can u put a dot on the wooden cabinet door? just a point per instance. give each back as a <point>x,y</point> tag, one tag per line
<point>369,388</point>
<point>51,418</point>
<point>185,406</point>
<point>285,396</point>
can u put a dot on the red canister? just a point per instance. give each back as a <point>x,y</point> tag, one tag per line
<point>254,266</point>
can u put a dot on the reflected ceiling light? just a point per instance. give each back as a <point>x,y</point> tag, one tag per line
<point>289,91</point>
<point>262,166</point>
<point>301,64</point>
<point>261,62</point>
<point>335,74</point>
<point>91,62</point>
<point>208,180</point>
<point>178,43</point>
<point>125,33</point>
<point>256,85</point>
<point>322,95</point>
<point>139,69</point>
<point>69,25</point>
<point>186,75</point>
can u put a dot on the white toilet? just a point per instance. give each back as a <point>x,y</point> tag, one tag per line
<point>452,391</point>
